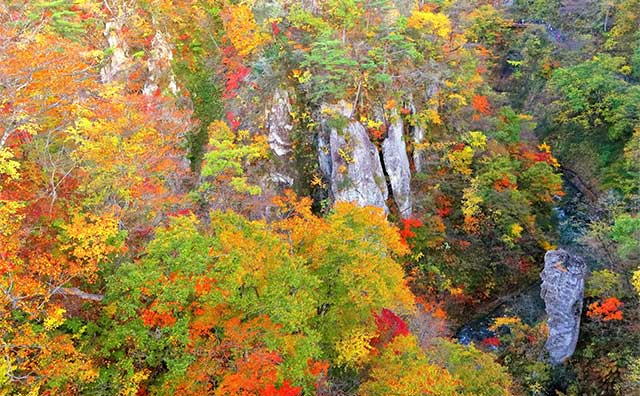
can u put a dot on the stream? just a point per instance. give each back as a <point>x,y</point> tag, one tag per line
<point>571,212</point>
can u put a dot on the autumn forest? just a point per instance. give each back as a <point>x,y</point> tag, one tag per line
<point>320,197</point>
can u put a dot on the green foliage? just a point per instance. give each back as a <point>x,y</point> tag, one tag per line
<point>228,157</point>
<point>626,232</point>
<point>604,283</point>
<point>596,97</point>
<point>487,26</point>
<point>477,371</point>
<point>206,97</point>
<point>510,125</point>
<point>547,10</point>
<point>63,20</point>
<point>215,303</point>
<point>354,260</point>
<point>402,369</point>
<point>329,65</point>
<point>230,268</point>
<point>232,278</point>
<point>522,352</point>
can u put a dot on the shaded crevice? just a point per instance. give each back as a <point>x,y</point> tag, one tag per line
<point>391,201</point>
<point>576,181</point>
<point>410,148</point>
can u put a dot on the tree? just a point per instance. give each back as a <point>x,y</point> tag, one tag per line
<point>223,169</point>
<point>477,371</point>
<point>352,254</point>
<point>224,303</point>
<point>402,369</point>
<point>82,164</point>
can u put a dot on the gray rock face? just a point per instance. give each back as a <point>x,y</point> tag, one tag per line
<point>159,66</point>
<point>356,173</point>
<point>417,131</point>
<point>159,72</point>
<point>279,124</point>
<point>352,164</point>
<point>562,291</point>
<point>396,162</point>
<point>119,60</point>
<point>417,134</point>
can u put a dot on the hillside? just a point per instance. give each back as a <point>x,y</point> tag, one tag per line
<point>320,197</point>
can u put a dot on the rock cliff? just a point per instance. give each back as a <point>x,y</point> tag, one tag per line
<point>562,291</point>
<point>351,162</point>
<point>396,162</point>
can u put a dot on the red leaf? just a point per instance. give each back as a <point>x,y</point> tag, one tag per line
<point>491,342</point>
<point>389,326</point>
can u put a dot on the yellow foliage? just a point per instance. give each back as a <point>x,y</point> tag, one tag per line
<point>461,160</point>
<point>371,124</point>
<point>635,280</point>
<point>431,23</point>
<point>516,230</point>
<point>90,238</point>
<point>546,245</point>
<point>4,376</point>
<point>111,90</point>
<point>134,382</point>
<point>54,319</point>
<point>317,181</point>
<point>471,201</point>
<point>402,369</point>
<point>462,101</point>
<point>8,166</point>
<point>241,28</point>
<point>478,140</point>
<point>10,220</point>
<point>35,391</point>
<point>345,156</point>
<point>353,349</point>
<point>432,116</point>
<point>505,321</point>
<point>301,76</point>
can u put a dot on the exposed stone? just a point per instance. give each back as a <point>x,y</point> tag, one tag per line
<point>351,162</point>
<point>281,179</point>
<point>562,291</point>
<point>279,124</point>
<point>159,66</point>
<point>417,135</point>
<point>396,162</point>
<point>119,60</point>
<point>417,131</point>
<point>418,154</point>
<point>159,72</point>
<point>324,152</point>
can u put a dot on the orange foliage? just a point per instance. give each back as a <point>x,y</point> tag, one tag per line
<point>606,310</point>
<point>503,184</point>
<point>481,104</point>
<point>408,225</point>
<point>242,30</point>
<point>444,205</point>
<point>151,317</point>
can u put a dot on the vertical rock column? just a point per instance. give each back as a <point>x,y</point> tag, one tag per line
<point>396,163</point>
<point>119,60</point>
<point>562,291</point>
<point>417,131</point>
<point>280,126</point>
<point>351,162</point>
<point>159,66</point>
<point>279,123</point>
<point>159,72</point>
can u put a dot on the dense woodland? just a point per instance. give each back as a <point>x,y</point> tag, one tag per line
<point>171,220</point>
